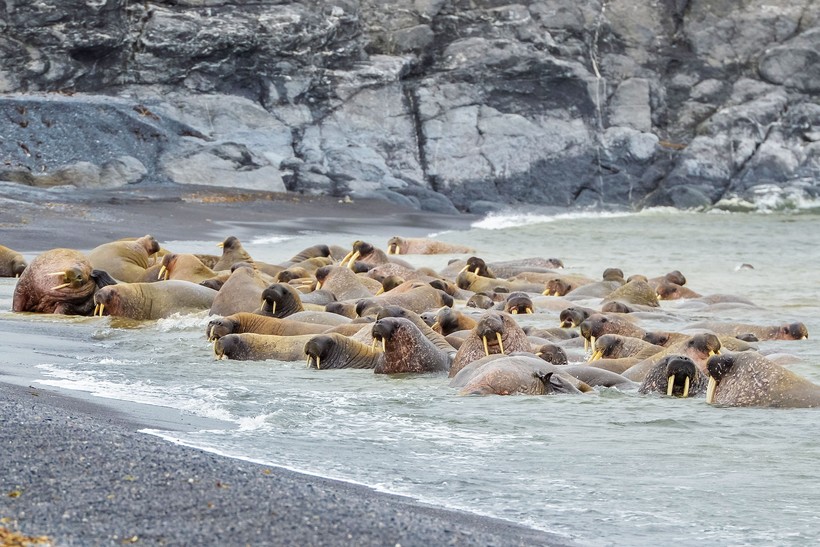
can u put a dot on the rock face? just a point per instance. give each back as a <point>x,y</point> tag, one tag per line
<point>440,105</point>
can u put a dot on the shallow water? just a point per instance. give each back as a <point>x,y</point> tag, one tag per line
<point>609,468</point>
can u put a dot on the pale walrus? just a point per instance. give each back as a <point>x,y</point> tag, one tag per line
<point>406,349</point>
<point>249,346</point>
<point>241,292</point>
<point>187,267</point>
<point>259,324</point>
<point>327,351</point>
<point>59,281</point>
<point>144,301</point>
<point>423,246</point>
<point>124,260</point>
<point>12,263</point>
<point>513,374</point>
<point>749,379</point>
<point>790,331</point>
<point>495,332</point>
<point>675,376</point>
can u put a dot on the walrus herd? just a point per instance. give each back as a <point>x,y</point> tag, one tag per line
<point>366,308</point>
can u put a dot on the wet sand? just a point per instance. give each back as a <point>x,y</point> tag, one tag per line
<point>79,469</point>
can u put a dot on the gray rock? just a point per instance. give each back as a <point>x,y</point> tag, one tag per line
<point>794,64</point>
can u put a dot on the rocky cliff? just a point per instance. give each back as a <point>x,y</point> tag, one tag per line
<point>441,105</point>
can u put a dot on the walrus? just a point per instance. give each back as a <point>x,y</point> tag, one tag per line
<point>448,321</point>
<point>551,353</point>
<point>675,376</point>
<point>698,348</point>
<point>249,346</point>
<point>596,377</point>
<point>280,300</point>
<point>365,253</point>
<point>481,301</point>
<point>143,301</point>
<point>513,374</point>
<point>124,260</point>
<point>406,349</point>
<point>232,252</point>
<point>672,291</point>
<point>476,283</point>
<point>423,246</point>
<point>596,325</point>
<point>518,302</point>
<point>330,351</point>
<point>12,263</point>
<point>495,332</point>
<point>241,292</point>
<point>790,331</point>
<point>186,267</point>
<point>419,300</point>
<point>749,379</point>
<point>634,293</point>
<point>510,268</point>
<point>436,338</point>
<point>344,284</point>
<point>259,324</point>
<point>314,251</point>
<point>59,281</point>
<point>615,346</point>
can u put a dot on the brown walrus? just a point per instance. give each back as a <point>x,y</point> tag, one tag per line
<point>12,263</point>
<point>634,293</point>
<point>596,325</point>
<point>749,379</point>
<point>790,331</point>
<point>333,350</point>
<point>422,246</point>
<point>249,346</point>
<point>675,376</point>
<point>518,302</point>
<point>406,349</point>
<point>698,348</point>
<point>448,321</point>
<point>476,283</point>
<point>124,260</point>
<point>232,252</point>
<point>259,324</point>
<point>152,300</point>
<point>495,332</point>
<point>59,281</point>
<point>418,300</point>
<point>615,346</point>
<point>241,292</point>
<point>344,284</point>
<point>514,374</point>
<point>187,267</point>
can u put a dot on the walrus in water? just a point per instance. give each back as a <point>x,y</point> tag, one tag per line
<point>448,321</point>
<point>638,293</point>
<point>675,376</point>
<point>423,246</point>
<point>495,332</point>
<point>124,260</point>
<point>749,379</point>
<point>259,324</point>
<point>513,374</point>
<point>327,351</point>
<point>419,300</point>
<point>519,302</point>
<point>144,301</point>
<point>249,346</point>
<point>12,263</point>
<point>406,349</point>
<point>791,331</point>
<point>698,348</point>
<point>59,281</point>
<point>596,325</point>
<point>615,346</point>
<point>574,316</point>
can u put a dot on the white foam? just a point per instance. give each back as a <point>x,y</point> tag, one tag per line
<point>501,221</point>
<point>268,239</point>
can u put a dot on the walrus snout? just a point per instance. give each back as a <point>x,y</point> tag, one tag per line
<point>228,347</point>
<point>718,366</point>
<point>680,372</point>
<point>795,331</point>
<point>572,317</point>
<point>217,328</point>
<point>316,348</point>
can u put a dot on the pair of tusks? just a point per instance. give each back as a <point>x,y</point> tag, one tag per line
<point>589,343</point>
<point>549,293</point>
<point>350,259</point>
<point>466,269</point>
<point>273,307</point>
<point>487,347</point>
<point>163,273</point>
<point>527,310</point>
<point>64,285</point>
<point>384,344</point>
<point>597,354</point>
<point>99,309</point>
<point>670,384</point>
<point>310,361</point>
<point>393,249</point>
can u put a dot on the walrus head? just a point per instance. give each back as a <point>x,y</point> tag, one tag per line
<point>219,327</point>
<point>703,346</point>
<point>552,353</point>
<point>518,302</point>
<point>384,329</point>
<point>491,330</point>
<point>280,300</point>
<point>614,306</point>
<point>18,265</point>
<point>681,374</point>
<point>480,300</point>
<point>557,287</point>
<point>478,267</point>
<point>793,331</point>
<point>572,317</point>
<point>396,245</point>
<point>229,346</point>
<point>718,366</point>
<point>613,274</point>
<point>607,346</point>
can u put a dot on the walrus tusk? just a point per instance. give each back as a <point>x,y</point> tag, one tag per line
<point>380,291</point>
<point>273,308</point>
<point>464,269</point>
<point>586,344</point>
<point>486,347</point>
<point>318,285</point>
<point>352,262</point>
<point>346,258</point>
<point>500,343</point>
<point>435,326</point>
<point>476,270</point>
<point>596,355</point>
<point>64,285</point>
<point>528,310</point>
<point>309,359</point>
<point>373,345</point>
<point>710,390</point>
<point>670,385</point>
<point>592,344</point>
<point>56,273</point>
<point>514,311</point>
<point>162,270</point>
<point>211,332</point>
<point>220,245</point>
<point>714,352</point>
<point>686,387</point>
<point>318,363</point>
<point>546,293</point>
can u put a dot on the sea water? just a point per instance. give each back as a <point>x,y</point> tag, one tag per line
<point>608,468</point>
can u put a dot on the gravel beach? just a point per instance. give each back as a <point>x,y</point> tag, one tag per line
<point>79,469</point>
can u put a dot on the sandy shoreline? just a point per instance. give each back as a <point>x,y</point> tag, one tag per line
<point>78,469</point>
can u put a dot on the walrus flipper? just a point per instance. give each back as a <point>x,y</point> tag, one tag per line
<point>102,279</point>
<point>546,379</point>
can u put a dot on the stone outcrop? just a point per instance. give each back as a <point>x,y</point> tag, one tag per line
<point>434,104</point>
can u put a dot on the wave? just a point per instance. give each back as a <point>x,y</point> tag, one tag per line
<point>770,198</point>
<point>515,219</point>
